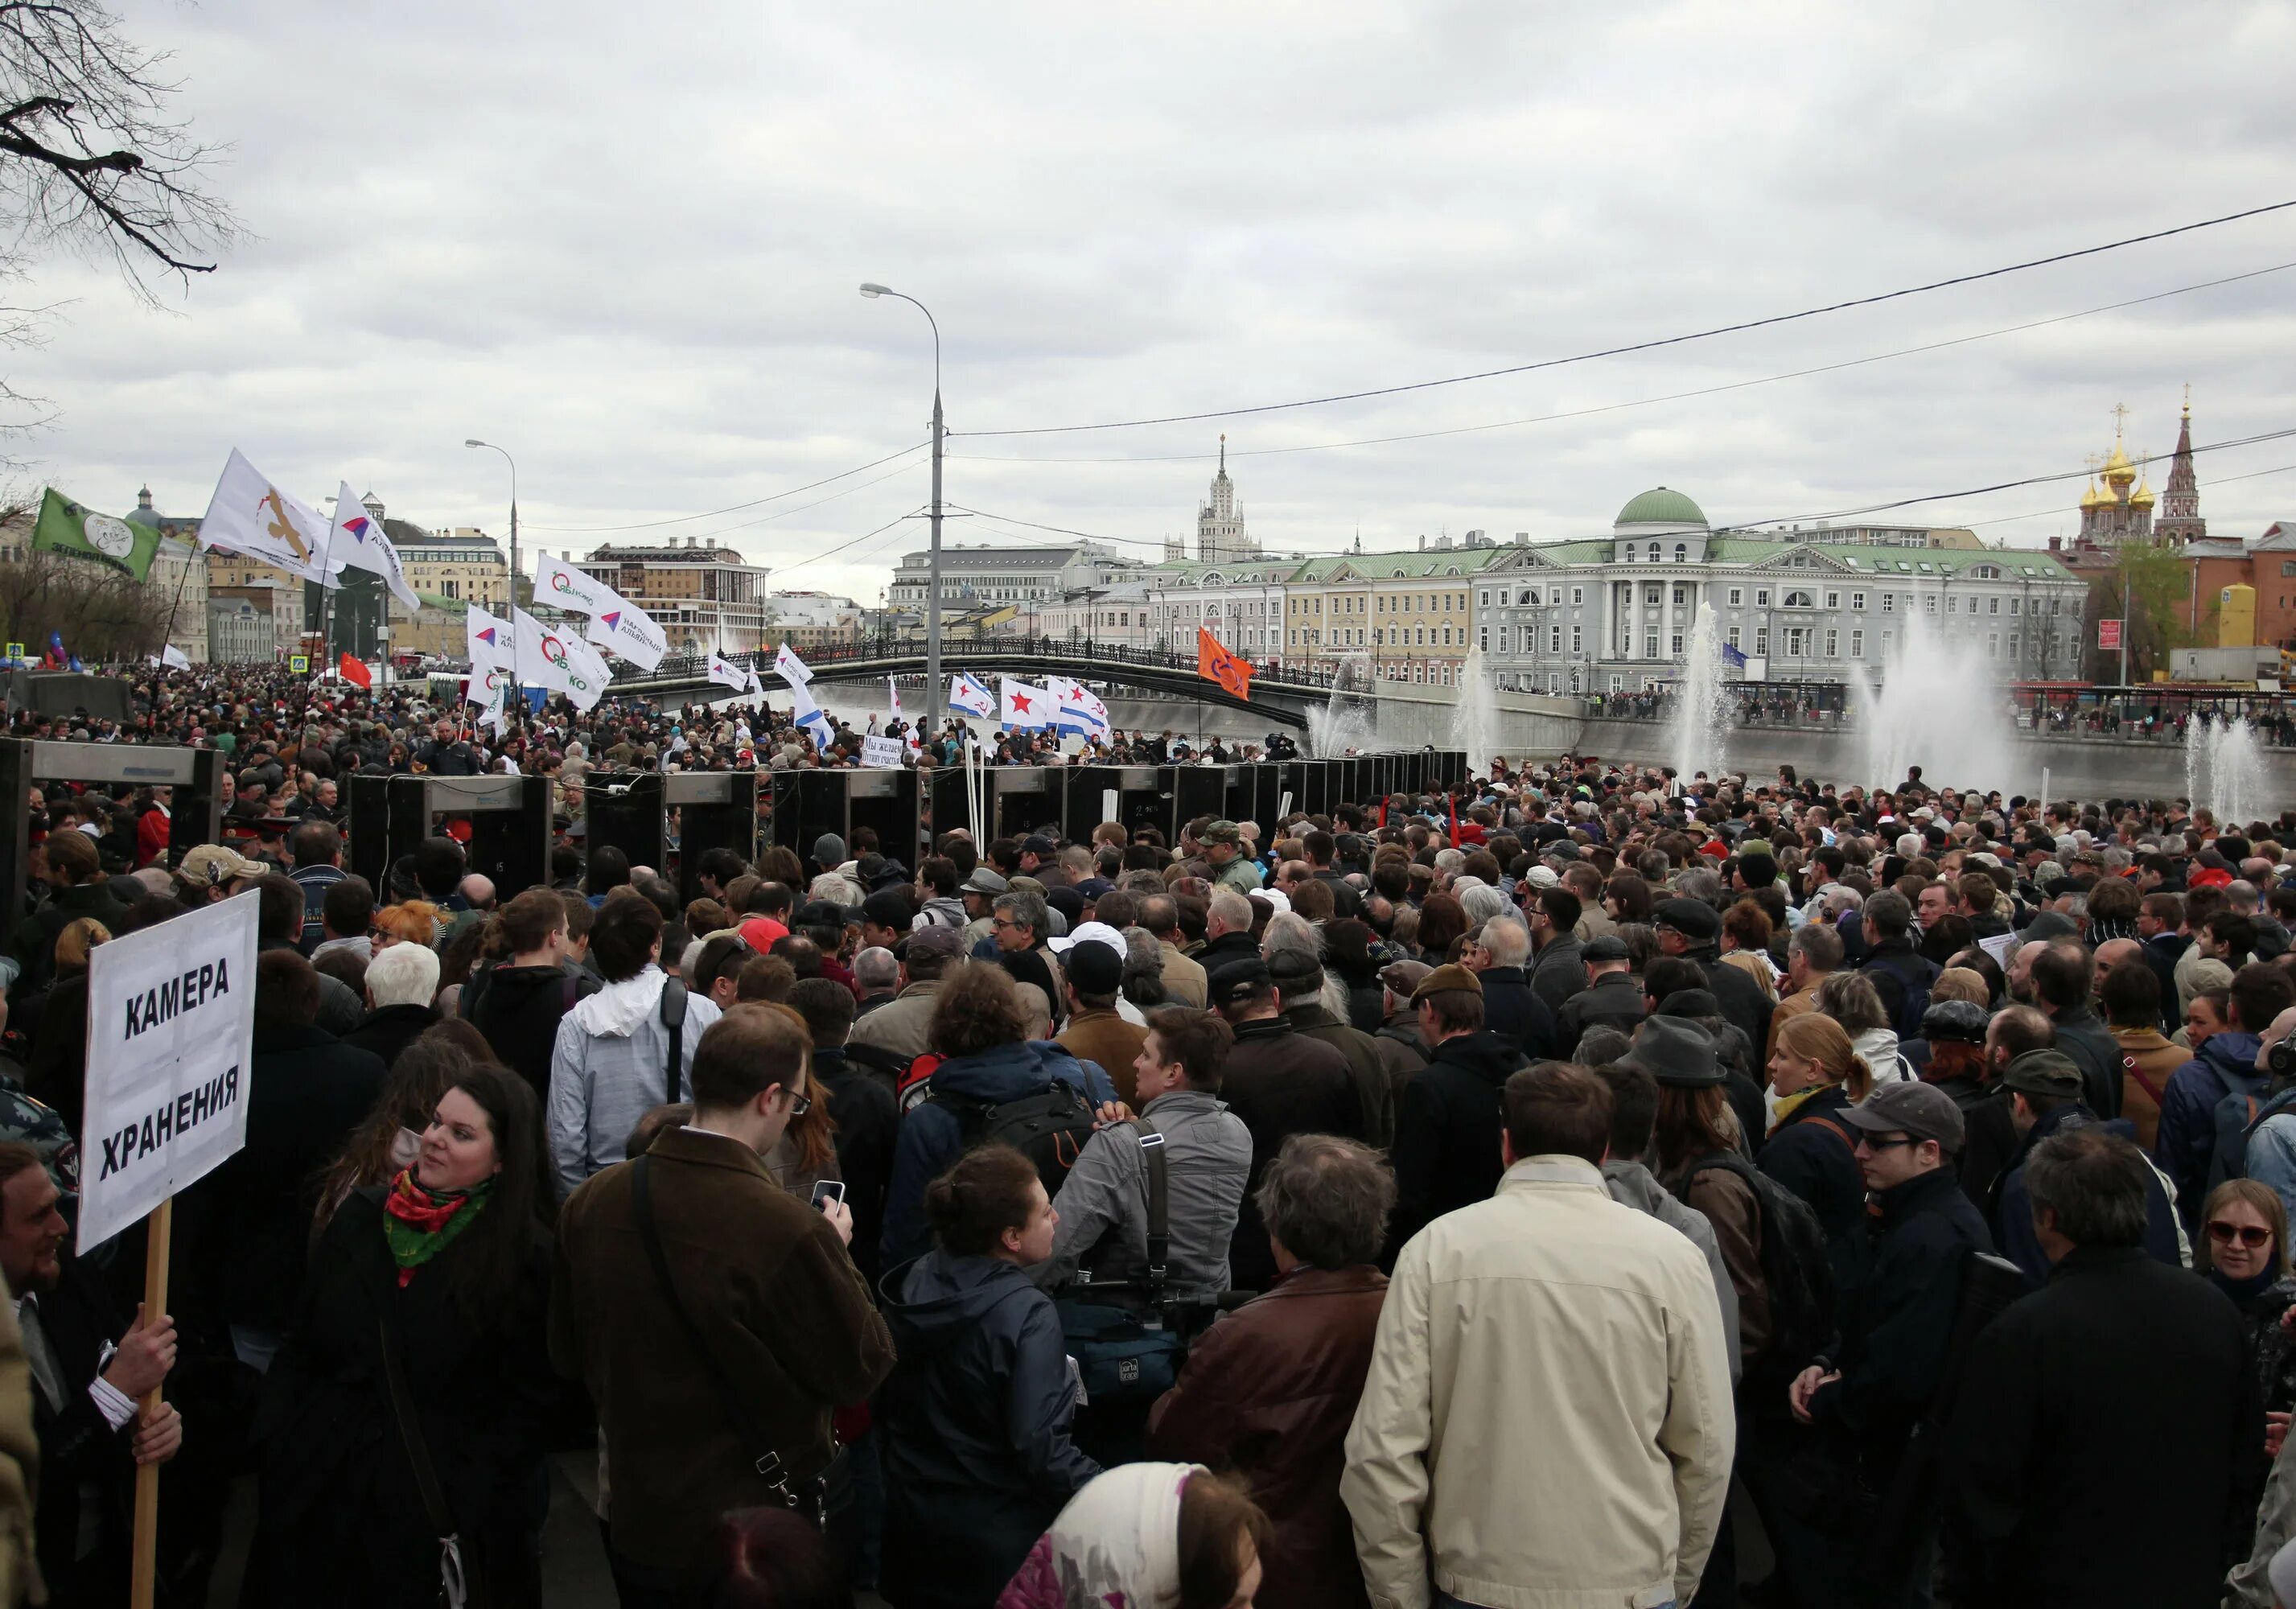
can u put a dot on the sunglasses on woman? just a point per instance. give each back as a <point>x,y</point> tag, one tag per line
<point>2250,1235</point>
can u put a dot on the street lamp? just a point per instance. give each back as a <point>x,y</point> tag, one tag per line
<point>517,694</point>
<point>933,566</point>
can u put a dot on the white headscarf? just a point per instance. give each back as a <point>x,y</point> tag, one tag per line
<point>1116,1546</point>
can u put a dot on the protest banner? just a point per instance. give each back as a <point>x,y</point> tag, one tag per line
<point>881,751</point>
<point>170,1036</point>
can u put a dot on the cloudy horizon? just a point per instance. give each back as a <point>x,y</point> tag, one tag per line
<point>628,251</point>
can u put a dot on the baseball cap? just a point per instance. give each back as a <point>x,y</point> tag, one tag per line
<point>1922,1111</point>
<point>1542,877</point>
<point>1221,831</point>
<point>1403,976</point>
<point>2044,1073</point>
<point>1095,969</point>
<point>212,866</point>
<point>1445,978</point>
<point>934,940</point>
<point>1096,933</point>
<point>1038,845</point>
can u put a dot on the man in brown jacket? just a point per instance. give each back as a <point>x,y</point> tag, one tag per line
<point>1094,1032</point>
<point>785,1326</point>
<point>1271,1389</point>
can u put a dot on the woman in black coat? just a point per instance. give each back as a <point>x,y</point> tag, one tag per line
<point>449,1266</point>
<point>1814,1077</point>
<point>977,1455</point>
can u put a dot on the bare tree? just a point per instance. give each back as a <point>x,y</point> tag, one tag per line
<point>91,159</point>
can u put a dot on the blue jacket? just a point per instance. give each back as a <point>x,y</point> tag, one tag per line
<point>932,1138</point>
<point>2225,1065</point>
<point>2012,1217</point>
<point>979,1460</point>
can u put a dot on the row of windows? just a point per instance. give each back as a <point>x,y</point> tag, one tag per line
<point>1795,642</point>
<point>1413,602</point>
<point>1381,637</point>
<point>1654,594</point>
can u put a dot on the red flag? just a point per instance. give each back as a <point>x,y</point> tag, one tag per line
<point>354,669</point>
<point>1216,663</point>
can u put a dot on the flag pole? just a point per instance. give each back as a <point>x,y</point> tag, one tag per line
<point>143,1568</point>
<point>196,556</point>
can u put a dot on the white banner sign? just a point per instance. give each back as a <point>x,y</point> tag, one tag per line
<point>881,751</point>
<point>171,1034</point>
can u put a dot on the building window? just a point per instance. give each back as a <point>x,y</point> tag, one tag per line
<point>1737,597</point>
<point>1761,597</point>
<point>1799,600</point>
<point>1554,633</point>
<point>2056,605</point>
<point>1833,600</point>
<point>1675,652</point>
<point>1681,595</point>
<point>1993,605</point>
<point>1487,597</point>
<point>1483,639</point>
<point>1953,606</point>
<point>1856,644</point>
<point>1797,642</point>
<point>1649,645</point>
<point>1617,682</point>
<point>1929,604</point>
<point>1993,645</point>
<point>1886,637</point>
<point>1577,595</point>
<point>2012,645</point>
<point>1761,639</point>
<point>1649,596</point>
<point>1889,602</point>
<point>1732,638</point>
<point>1682,553</point>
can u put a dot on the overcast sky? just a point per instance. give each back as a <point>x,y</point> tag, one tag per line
<point>624,242</point>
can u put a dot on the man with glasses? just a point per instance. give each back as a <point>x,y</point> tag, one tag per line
<point>1895,1314</point>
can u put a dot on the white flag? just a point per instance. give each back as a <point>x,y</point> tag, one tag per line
<point>893,686</point>
<point>790,668</point>
<point>756,686</point>
<point>587,671</point>
<point>538,653</point>
<point>1027,706</point>
<point>497,710</point>
<point>486,640</point>
<point>250,515</point>
<point>358,542</point>
<point>725,673</point>
<point>812,718</point>
<point>484,684</point>
<point>174,658</point>
<point>1080,711</point>
<point>969,696</point>
<point>616,624</point>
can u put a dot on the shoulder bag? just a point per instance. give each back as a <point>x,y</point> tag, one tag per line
<point>1128,1354</point>
<point>453,1588</point>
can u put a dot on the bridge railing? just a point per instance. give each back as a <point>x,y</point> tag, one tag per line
<point>957,655</point>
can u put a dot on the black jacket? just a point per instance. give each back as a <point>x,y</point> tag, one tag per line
<point>1741,999</point>
<point>1812,1154</point>
<point>518,1009</point>
<point>978,1456</point>
<point>1558,972</point>
<point>2119,1377</point>
<point>245,1226</point>
<point>1281,1083</point>
<point>1447,1132</point>
<point>1895,1316</point>
<point>2163,951</point>
<point>389,1030</point>
<point>2083,1036</point>
<point>868,1120</point>
<point>342,1517</point>
<point>1898,970</point>
<point>83,1460</point>
<point>1613,1000</point>
<point>33,945</point>
<point>1228,947</point>
<point>1513,1010</point>
<point>1989,1137</point>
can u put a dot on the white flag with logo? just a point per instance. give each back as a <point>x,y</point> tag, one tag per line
<point>790,668</point>
<point>616,624</point>
<point>174,658</point>
<point>538,653</point>
<point>587,671</point>
<point>1080,710</point>
<point>250,515</point>
<point>725,673</point>
<point>497,715</point>
<point>358,542</point>
<point>966,694</point>
<point>486,640</point>
<point>1023,705</point>
<point>483,685</point>
<point>755,686</point>
<point>812,718</point>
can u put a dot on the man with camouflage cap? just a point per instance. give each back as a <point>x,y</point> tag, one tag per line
<point>2045,1098</point>
<point>1223,843</point>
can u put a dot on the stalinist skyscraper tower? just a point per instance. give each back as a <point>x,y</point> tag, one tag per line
<point>1220,537</point>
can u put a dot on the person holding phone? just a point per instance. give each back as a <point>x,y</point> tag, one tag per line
<point>979,1459</point>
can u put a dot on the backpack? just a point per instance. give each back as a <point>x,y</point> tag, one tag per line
<point>1050,1127</point>
<point>1797,1272</point>
<point>2237,1117</point>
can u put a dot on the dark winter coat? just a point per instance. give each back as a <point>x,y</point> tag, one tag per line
<point>518,1008</point>
<point>1558,972</point>
<point>2082,1035</point>
<point>2012,1218</point>
<point>1270,1391</point>
<point>1373,1089</point>
<point>389,1030</point>
<point>342,1519</point>
<point>2225,1065</point>
<point>1613,1000</point>
<point>932,1134</point>
<point>1513,1010</point>
<point>1741,999</point>
<point>1447,1132</point>
<point>868,1122</point>
<point>1280,1082</point>
<point>2121,1377</point>
<point>978,1457</point>
<point>1812,1153</point>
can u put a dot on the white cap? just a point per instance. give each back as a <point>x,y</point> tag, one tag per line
<point>1097,933</point>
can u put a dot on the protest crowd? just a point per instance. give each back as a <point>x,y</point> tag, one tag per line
<point>1584,1187</point>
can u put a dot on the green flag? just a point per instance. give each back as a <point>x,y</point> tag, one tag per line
<point>65,526</point>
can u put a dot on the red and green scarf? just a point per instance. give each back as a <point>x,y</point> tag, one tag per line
<point>420,1223</point>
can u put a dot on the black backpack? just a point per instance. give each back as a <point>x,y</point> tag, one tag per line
<point>1050,1127</point>
<point>1796,1275</point>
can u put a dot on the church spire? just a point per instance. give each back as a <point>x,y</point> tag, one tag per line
<point>2180,499</point>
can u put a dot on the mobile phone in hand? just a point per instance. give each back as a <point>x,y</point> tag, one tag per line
<point>828,1190</point>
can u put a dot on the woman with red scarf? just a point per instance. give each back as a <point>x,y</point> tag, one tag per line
<point>447,1269</point>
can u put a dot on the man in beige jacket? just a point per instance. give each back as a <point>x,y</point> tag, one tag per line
<point>1547,1420</point>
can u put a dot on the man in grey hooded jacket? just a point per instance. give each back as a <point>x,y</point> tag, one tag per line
<point>1634,1111</point>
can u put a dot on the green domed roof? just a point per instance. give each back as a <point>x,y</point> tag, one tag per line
<point>1661,507</point>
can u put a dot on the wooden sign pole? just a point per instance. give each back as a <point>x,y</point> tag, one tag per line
<point>160,1232</point>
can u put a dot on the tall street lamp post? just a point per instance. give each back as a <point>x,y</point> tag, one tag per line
<point>933,689</point>
<point>517,694</point>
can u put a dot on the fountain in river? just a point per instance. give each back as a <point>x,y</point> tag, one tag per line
<point>1475,719</point>
<point>1349,718</point>
<point>1936,706</point>
<point>1700,721</point>
<point>2224,769</point>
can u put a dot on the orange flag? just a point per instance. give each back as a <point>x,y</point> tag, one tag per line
<point>1216,662</point>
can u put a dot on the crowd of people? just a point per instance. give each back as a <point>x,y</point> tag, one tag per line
<point>1586,1187</point>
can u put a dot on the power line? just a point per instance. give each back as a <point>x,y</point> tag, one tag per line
<point>737,507</point>
<point>842,546</point>
<point>2060,508</point>
<point>1651,345</point>
<point>1612,407</point>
